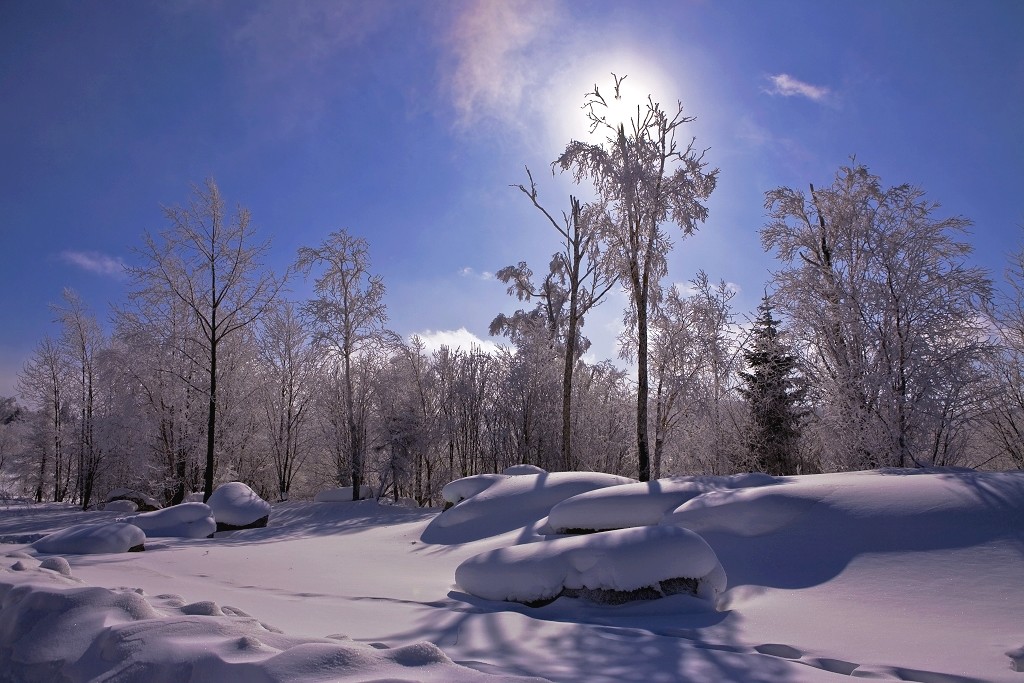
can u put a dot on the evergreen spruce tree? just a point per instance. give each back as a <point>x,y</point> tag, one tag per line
<point>773,391</point>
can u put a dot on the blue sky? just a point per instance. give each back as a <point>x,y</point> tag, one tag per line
<point>405,122</point>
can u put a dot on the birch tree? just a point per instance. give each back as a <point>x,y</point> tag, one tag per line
<point>647,181</point>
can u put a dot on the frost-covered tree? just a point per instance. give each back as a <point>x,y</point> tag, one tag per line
<point>646,180</point>
<point>81,340</point>
<point>211,263</point>
<point>289,372</point>
<point>348,314</point>
<point>577,281</point>
<point>884,305</point>
<point>45,383</point>
<point>774,393</point>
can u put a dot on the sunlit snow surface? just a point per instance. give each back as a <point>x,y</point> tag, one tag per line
<point>892,575</point>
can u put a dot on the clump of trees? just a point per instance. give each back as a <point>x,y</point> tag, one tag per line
<point>879,345</point>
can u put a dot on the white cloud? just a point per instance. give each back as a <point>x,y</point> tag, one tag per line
<point>455,339</point>
<point>471,273</point>
<point>787,86</point>
<point>94,262</point>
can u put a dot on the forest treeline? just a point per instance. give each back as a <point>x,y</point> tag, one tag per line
<point>877,344</point>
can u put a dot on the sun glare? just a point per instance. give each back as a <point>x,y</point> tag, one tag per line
<point>639,77</point>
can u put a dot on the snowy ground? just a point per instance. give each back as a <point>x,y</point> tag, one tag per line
<point>888,575</point>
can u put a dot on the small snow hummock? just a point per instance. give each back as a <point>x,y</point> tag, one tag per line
<point>187,520</point>
<point>459,490</point>
<point>120,505</point>
<point>143,501</point>
<point>236,506</point>
<point>610,566</point>
<point>342,495</point>
<point>86,539</point>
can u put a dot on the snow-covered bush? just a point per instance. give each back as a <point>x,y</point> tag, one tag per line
<point>611,566</point>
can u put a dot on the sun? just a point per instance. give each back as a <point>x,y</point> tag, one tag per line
<point>624,78</point>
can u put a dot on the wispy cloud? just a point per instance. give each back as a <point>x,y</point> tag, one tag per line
<point>471,273</point>
<point>94,262</point>
<point>455,339</point>
<point>787,86</point>
<point>493,47</point>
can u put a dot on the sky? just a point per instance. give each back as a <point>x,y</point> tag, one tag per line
<point>406,123</point>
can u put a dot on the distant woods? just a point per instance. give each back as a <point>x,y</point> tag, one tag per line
<point>876,344</point>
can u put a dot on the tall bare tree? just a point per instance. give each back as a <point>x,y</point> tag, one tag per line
<point>211,263</point>
<point>348,313</point>
<point>578,280</point>
<point>646,180</point>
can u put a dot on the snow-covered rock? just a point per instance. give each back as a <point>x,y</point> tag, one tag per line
<point>120,505</point>
<point>84,539</point>
<point>236,506</point>
<point>187,520</point>
<point>143,501</point>
<point>342,495</point>
<point>645,562</point>
<point>467,487</point>
<point>194,497</point>
<point>517,470</point>
<point>642,503</point>
<point>509,502</point>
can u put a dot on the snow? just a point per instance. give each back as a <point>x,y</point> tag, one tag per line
<point>494,504</point>
<point>342,495</point>
<point>186,520</point>
<point>622,560</point>
<point>642,503</point>
<point>113,537</point>
<point>55,627</point>
<point>896,575</point>
<point>236,504</point>
<point>120,505</point>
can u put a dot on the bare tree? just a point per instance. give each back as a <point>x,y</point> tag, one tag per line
<point>211,264</point>
<point>578,280</point>
<point>349,315</point>
<point>646,180</point>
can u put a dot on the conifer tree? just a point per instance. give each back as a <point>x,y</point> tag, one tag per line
<point>773,391</point>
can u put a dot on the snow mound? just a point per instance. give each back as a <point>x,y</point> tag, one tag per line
<point>342,495</point>
<point>54,627</point>
<point>120,505</point>
<point>235,505</point>
<point>645,562</point>
<point>518,470</point>
<point>508,502</point>
<point>642,503</point>
<point>85,539</point>
<point>187,520</point>
<point>143,501</point>
<point>467,487</point>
